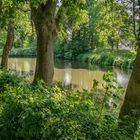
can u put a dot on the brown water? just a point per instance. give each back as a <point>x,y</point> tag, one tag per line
<point>75,74</point>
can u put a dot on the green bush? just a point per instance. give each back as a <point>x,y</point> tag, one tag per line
<point>70,50</point>
<point>8,79</point>
<point>48,113</point>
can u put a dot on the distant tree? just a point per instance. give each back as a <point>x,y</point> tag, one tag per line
<point>115,26</point>
<point>109,25</point>
<point>12,19</point>
<point>8,45</point>
<point>7,19</point>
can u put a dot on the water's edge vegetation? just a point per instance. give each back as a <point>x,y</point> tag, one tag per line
<point>99,56</point>
<point>102,57</point>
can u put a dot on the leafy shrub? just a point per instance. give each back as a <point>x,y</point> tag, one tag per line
<point>49,113</point>
<point>70,50</point>
<point>118,62</point>
<point>8,78</point>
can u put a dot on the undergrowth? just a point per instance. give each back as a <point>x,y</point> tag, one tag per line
<point>39,112</point>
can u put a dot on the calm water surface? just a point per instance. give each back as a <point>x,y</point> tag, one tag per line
<point>75,74</point>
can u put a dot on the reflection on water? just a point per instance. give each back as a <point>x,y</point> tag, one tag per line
<point>76,74</point>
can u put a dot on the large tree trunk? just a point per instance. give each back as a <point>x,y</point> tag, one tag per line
<point>8,46</point>
<point>131,104</point>
<point>132,96</point>
<point>44,21</point>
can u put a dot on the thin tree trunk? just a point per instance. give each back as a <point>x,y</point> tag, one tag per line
<point>8,46</point>
<point>0,12</point>
<point>44,21</point>
<point>112,46</point>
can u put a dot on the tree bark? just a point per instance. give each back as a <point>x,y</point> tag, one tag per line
<point>44,21</point>
<point>132,96</point>
<point>8,45</point>
<point>131,104</point>
<point>0,12</point>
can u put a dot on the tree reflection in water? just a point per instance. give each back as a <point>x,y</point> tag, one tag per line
<point>74,74</point>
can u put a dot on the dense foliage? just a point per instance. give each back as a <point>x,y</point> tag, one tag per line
<point>39,112</point>
<point>86,30</point>
<point>110,25</point>
<point>83,26</point>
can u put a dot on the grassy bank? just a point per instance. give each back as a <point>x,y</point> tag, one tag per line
<point>107,57</point>
<point>48,113</point>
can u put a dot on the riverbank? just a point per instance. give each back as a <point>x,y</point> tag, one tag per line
<point>101,56</point>
<point>22,52</point>
<point>108,57</point>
